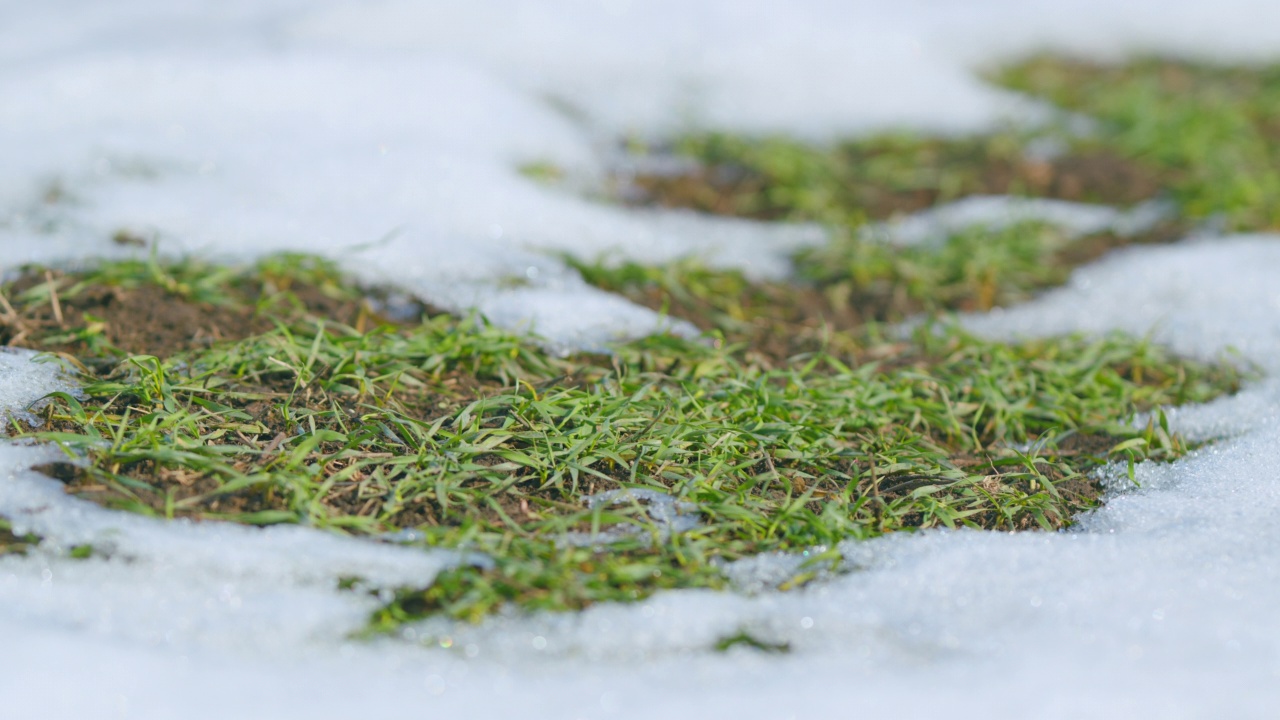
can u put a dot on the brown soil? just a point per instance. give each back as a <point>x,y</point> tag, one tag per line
<point>11,544</point>
<point>148,319</point>
<point>1091,176</point>
<point>145,319</point>
<point>777,321</point>
<point>98,323</point>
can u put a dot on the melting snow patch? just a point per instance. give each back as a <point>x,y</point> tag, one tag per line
<point>1202,298</point>
<point>664,509</point>
<point>996,212</point>
<point>25,378</point>
<point>669,514</point>
<point>193,585</point>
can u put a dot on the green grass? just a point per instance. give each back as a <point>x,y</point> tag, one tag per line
<point>542,172</point>
<point>973,270</point>
<point>847,285</point>
<point>1212,131</point>
<point>482,441</point>
<point>845,185</point>
<point>1205,136</point>
<point>777,177</point>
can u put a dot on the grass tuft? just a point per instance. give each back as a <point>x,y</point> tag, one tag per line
<point>1210,131</point>
<point>479,440</point>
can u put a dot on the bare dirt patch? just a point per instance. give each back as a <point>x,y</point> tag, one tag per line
<point>945,172</point>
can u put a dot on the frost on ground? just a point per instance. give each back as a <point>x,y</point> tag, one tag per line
<point>387,136</point>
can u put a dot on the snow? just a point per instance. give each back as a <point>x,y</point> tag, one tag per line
<point>404,167</point>
<point>26,380</point>
<point>387,135</point>
<point>1205,297</point>
<point>669,514</point>
<point>997,212</point>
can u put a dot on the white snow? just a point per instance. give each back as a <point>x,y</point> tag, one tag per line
<point>27,379</point>
<point>997,212</point>
<point>386,135</point>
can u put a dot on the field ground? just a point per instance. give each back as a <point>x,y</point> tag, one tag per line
<point>804,416</point>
